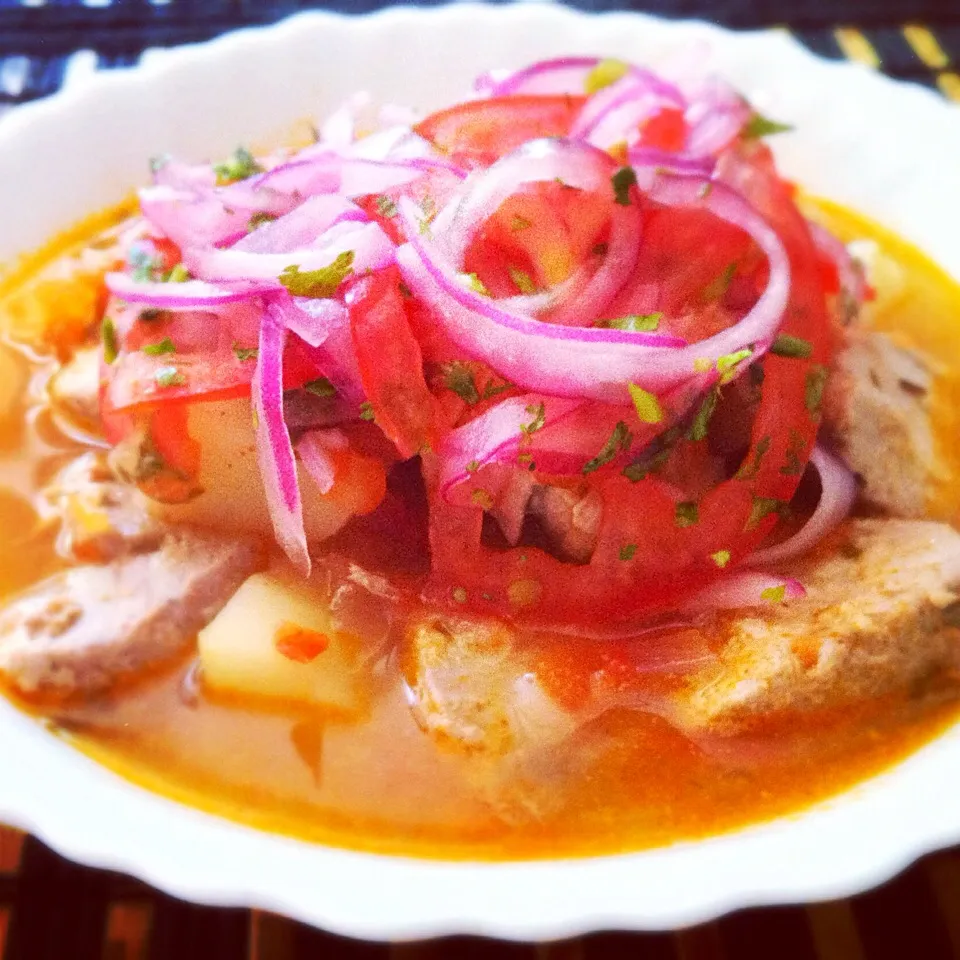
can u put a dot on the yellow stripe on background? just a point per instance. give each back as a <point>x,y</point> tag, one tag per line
<point>949,84</point>
<point>926,46</point>
<point>855,46</point>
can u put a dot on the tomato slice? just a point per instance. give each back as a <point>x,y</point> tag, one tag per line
<point>391,363</point>
<point>478,132</point>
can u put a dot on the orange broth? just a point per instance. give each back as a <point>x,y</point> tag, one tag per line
<point>377,782</point>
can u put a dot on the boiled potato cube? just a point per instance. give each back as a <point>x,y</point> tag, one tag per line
<point>274,639</point>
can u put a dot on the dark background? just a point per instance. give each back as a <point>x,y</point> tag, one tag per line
<point>54,910</point>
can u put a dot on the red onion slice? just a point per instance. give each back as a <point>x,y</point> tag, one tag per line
<point>192,293</point>
<point>371,249</point>
<point>746,588</point>
<point>302,226</point>
<point>837,497</point>
<point>560,75</point>
<point>597,363</point>
<point>278,466</point>
<point>314,450</point>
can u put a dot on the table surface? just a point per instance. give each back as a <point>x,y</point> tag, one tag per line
<point>51,909</point>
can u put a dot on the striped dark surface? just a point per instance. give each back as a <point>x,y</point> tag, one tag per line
<point>54,910</point>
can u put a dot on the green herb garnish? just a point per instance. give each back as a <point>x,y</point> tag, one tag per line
<point>760,126</point>
<point>258,220</point>
<point>634,322</point>
<point>458,377</point>
<point>169,377</point>
<point>475,284</point>
<point>166,345</point>
<point>788,346</point>
<point>366,410</point>
<point>627,551</point>
<point>646,404</point>
<point>108,337</point>
<point>318,284</point>
<point>520,223</point>
<point>687,514</point>
<point>721,558</point>
<point>245,353</point>
<point>815,384</point>
<point>750,468</point>
<point>727,365</point>
<point>177,274</point>
<point>762,508</point>
<point>774,594</point>
<point>539,412</point>
<point>622,181</point>
<point>522,281</point>
<point>321,387</point>
<point>605,73</point>
<point>701,422</point>
<point>240,165</point>
<point>618,442</point>
<point>717,287</point>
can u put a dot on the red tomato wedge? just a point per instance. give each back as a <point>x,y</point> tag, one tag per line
<point>479,132</point>
<point>391,363</point>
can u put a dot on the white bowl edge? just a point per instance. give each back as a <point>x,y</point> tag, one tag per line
<point>861,139</point>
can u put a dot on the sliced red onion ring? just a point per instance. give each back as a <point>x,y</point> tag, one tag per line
<point>278,466</point>
<point>716,116</point>
<point>745,588</point>
<point>192,293</point>
<point>314,450</point>
<point>561,75</point>
<point>302,226</point>
<point>312,320</point>
<point>371,249</point>
<point>339,129</point>
<point>614,115</point>
<point>837,496</point>
<point>597,363</point>
<point>496,436</point>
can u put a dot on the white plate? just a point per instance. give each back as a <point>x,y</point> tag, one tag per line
<point>888,149</point>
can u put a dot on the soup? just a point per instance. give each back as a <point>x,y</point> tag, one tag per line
<point>289,540</point>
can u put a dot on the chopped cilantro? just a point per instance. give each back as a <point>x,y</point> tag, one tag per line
<point>473,466</point>
<point>717,287</point>
<point>646,404</point>
<point>774,594</point>
<point>788,346</point>
<point>727,365</point>
<point>458,377</point>
<point>687,514</point>
<point>622,181</point>
<point>258,220</point>
<point>366,410</point>
<point>245,353</point>
<point>166,345</point>
<point>522,281</point>
<point>539,412</point>
<point>481,498</point>
<point>605,73</point>
<point>701,422</point>
<point>627,551</point>
<point>108,336</point>
<point>760,126</point>
<point>721,558</point>
<point>404,290</point>
<point>794,465</point>
<point>321,283</point>
<point>618,442</point>
<point>495,389</point>
<point>321,387</point>
<point>762,508</point>
<point>169,377</point>
<point>520,223</point>
<point>177,274</point>
<point>702,364</point>
<point>143,265</point>
<point>474,283</point>
<point>386,207</point>
<point>240,165</point>
<point>634,322</point>
<point>151,314</point>
<point>815,384</point>
<point>600,249</point>
<point>750,468</point>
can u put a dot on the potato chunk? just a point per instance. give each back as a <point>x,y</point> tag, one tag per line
<point>275,639</point>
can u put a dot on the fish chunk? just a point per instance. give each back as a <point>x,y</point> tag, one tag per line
<point>82,629</point>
